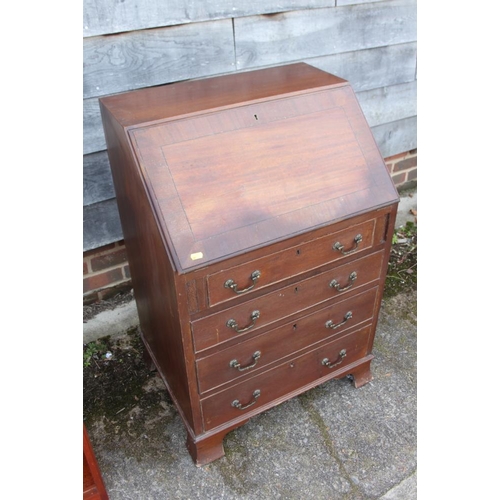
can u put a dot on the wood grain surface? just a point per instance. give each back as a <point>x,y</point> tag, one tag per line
<point>300,35</point>
<point>318,168</point>
<point>138,59</point>
<point>109,16</point>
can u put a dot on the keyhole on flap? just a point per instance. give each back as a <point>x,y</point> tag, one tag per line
<point>295,326</point>
<point>296,289</point>
<point>298,251</point>
<point>256,117</point>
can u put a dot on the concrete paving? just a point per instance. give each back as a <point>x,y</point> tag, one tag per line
<point>112,322</point>
<point>333,442</point>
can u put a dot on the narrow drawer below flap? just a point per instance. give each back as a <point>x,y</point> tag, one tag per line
<point>257,274</point>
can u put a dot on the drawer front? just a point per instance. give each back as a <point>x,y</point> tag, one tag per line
<point>290,376</point>
<point>284,302</point>
<point>257,274</point>
<point>250,356</point>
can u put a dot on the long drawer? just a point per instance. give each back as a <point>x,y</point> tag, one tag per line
<point>259,273</point>
<point>290,376</point>
<point>254,354</point>
<point>257,313</point>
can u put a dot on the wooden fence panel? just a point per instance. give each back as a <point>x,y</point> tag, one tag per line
<point>101,224</point>
<point>372,68</point>
<point>93,133</point>
<point>145,58</point>
<point>97,180</point>
<point>268,40</point>
<point>396,137</point>
<point>340,3</point>
<point>389,104</point>
<point>109,16</point>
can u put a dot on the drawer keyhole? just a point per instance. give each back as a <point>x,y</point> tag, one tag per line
<point>298,251</point>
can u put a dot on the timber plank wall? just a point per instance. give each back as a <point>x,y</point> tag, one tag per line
<point>141,43</point>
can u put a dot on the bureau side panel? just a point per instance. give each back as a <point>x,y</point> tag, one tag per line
<point>154,280</point>
<point>383,234</point>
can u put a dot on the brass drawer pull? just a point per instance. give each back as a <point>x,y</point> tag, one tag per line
<point>335,284</point>
<point>338,246</point>
<point>332,325</point>
<point>234,363</point>
<point>231,323</point>
<point>342,355</point>
<point>234,287</point>
<point>238,405</point>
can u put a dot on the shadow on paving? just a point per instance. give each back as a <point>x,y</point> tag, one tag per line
<point>333,442</point>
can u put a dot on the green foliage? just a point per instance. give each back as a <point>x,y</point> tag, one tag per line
<point>402,269</point>
<point>93,350</point>
<point>409,230</point>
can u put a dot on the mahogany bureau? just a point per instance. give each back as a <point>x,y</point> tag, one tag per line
<point>257,214</point>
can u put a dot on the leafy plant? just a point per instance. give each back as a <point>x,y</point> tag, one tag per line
<point>92,350</point>
<point>402,270</point>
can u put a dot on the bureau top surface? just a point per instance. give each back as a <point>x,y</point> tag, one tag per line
<point>167,101</point>
<point>235,178</point>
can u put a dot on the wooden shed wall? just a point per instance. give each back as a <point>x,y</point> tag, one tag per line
<point>140,43</point>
